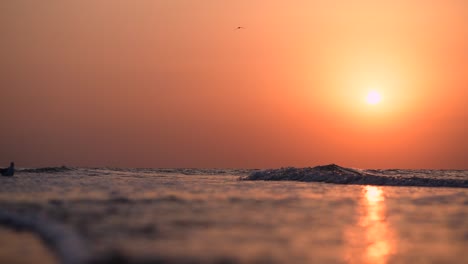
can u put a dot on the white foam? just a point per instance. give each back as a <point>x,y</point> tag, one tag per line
<point>68,246</point>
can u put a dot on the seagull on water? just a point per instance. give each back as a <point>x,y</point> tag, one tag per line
<point>237,28</point>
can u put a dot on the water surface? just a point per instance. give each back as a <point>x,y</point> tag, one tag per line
<point>211,216</point>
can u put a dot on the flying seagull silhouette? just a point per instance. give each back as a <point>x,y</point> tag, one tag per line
<point>237,28</point>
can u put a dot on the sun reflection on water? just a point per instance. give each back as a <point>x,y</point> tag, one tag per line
<point>372,240</point>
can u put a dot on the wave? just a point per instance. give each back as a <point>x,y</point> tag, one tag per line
<point>47,170</point>
<point>340,175</point>
<point>194,171</point>
<point>69,247</point>
<point>184,171</point>
<point>111,171</point>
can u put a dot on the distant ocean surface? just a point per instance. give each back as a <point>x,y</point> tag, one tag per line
<point>324,214</point>
<point>328,173</point>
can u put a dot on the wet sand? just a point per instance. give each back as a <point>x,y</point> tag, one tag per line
<point>213,217</point>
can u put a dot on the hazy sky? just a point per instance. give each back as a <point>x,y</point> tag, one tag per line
<point>171,83</point>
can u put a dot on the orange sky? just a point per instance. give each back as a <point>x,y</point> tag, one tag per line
<point>170,83</point>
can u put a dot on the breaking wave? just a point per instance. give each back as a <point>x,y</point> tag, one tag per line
<point>68,246</point>
<point>340,175</point>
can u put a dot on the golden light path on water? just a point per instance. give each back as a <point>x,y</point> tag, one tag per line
<point>372,239</point>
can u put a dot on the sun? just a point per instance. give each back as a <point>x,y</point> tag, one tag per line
<point>373,97</point>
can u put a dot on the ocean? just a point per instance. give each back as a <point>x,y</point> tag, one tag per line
<point>326,214</point>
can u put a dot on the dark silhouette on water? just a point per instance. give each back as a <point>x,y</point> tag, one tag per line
<point>237,28</point>
<point>340,175</point>
<point>10,171</point>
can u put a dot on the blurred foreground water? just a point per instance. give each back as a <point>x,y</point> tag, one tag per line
<point>211,216</point>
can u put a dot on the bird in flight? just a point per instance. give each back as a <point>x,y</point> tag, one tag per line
<point>237,28</point>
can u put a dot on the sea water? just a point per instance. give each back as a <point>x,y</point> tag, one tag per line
<point>103,215</point>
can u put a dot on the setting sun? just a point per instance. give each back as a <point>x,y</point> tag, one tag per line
<point>373,98</point>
